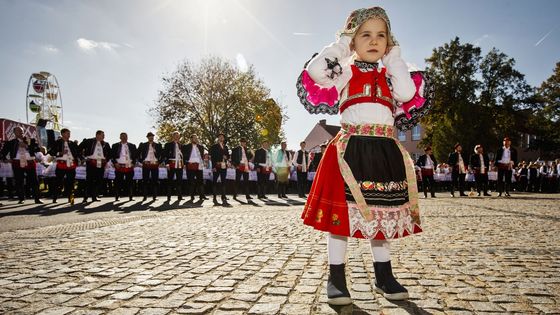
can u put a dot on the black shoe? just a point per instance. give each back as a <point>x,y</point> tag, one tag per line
<point>463,194</point>
<point>508,195</point>
<point>478,194</point>
<point>500,194</point>
<point>453,195</point>
<point>85,200</point>
<point>487,194</point>
<point>38,202</point>
<point>284,196</point>
<point>248,197</point>
<point>265,197</point>
<point>337,292</point>
<point>386,284</point>
<point>168,199</point>
<point>154,198</point>
<point>116,198</point>
<point>144,199</point>
<point>433,196</point>
<point>204,198</point>
<point>130,199</point>
<point>192,199</point>
<point>180,198</point>
<point>54,201</point>
<point>21,201</point>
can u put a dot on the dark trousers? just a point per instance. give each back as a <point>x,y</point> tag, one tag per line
<point>30,176</point>
<point>196,184</point>
<point>481,183</point>
<point>523,183</point>
<point>221,173</point>
<point>428,181</point>
<point>241,184</point>
<point>150,178</point>
<point>175,179</point>
<point>459,181</point>
<point>94,178</point>
<point>533,185</point>
<point>501,175</point>
<point>123,181</point>
<point>302,183</point>
<point>65,177</point>
<point>262,183</point>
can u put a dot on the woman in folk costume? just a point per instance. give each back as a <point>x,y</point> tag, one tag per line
<point>365,185</point>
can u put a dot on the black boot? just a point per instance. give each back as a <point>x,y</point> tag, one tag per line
<point>386,284</point>
<point>337,292</point>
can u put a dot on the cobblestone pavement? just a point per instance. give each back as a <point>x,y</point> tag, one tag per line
<point>475,256</point>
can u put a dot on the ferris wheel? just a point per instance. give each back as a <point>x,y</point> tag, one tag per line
<point>44,100</point>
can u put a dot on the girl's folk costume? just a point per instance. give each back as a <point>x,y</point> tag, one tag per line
<point>365,185</point>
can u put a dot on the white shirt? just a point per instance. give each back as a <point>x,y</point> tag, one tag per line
<point>482,166</point>
<point>303,164</point>
<point>461,164</point>
<point>67,154</point>
<point>124,157</point>
<point>97,152</point>
<point>429,163</point>
<point>506,156</point>
<point>195,155</point>
<point>22,153</point>
<point>151,156</point>
<point>244,156</point>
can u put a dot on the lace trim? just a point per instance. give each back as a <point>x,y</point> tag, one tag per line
<point>366,66</point>
<point>391,221</point>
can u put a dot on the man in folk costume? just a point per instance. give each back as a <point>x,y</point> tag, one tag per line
<point>194,153</point>
<point>22,153</point>
<point>240,158</point>
<point>427,164</point>
<point>480,164</point>
<point>459,162</point>
<point>174,157</point>
<point>219,154</point>
<point>282,164</point>
<point>301,162</point>
<point>66,154</point>
<point>123,157</point>
<point>365,186</point>
<point>150,155</point>
<point>263,163</point>
<point>96,152</point>
<point>506,158</point>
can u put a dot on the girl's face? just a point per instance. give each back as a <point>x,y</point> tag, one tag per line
<point>371,40</point>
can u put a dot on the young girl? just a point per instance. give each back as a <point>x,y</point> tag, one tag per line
<point>365,185</point>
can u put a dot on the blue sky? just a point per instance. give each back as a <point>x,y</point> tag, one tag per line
<point>109,56</point>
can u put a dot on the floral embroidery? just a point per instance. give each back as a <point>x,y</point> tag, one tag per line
<point>335,220</point>
<point>319,216</point>
<point>386,187</point>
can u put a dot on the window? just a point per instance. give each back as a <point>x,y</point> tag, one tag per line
<point>402,135</point>
<point>416,133</point>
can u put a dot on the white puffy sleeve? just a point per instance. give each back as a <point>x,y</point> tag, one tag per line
<point>397,70</point>
<point>331,66</point>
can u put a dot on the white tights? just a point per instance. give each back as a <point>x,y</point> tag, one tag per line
<point>336,244</point>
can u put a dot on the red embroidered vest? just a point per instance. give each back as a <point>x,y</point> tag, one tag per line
<point>367,87</point>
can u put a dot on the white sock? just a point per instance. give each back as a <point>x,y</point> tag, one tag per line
<point>336,246</point>
<point>381,250</point>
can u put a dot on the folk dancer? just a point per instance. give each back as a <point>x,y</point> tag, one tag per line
<point>427,164</point>
<point>22,154</point>
<point>66,154</point>
<point>480,164</point>
<point>219,154</point>
<point>194,153</point>
<point>150,155</point>
<point>124,158</point>
<point>96,152</point>
<point>506,158</point>
<point>459,163</point>
<point>282,168</point>
<point>173,153</point>
<point>301,162</point>
<point>263,163</point>
<point>240,158</point>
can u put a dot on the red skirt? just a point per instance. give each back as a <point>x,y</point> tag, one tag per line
<point>326,208</point>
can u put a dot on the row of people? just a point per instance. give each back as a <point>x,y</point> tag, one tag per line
<point>95,153</point>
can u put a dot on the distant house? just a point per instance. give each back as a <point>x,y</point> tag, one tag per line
<point>410,140</point>
<point>320,134</point>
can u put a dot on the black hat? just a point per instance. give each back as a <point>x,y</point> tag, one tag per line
<point>150,134</point>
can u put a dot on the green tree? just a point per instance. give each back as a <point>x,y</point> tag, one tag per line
<point>213,97</point>
<point>546,118</point>
<point>479,99</point>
